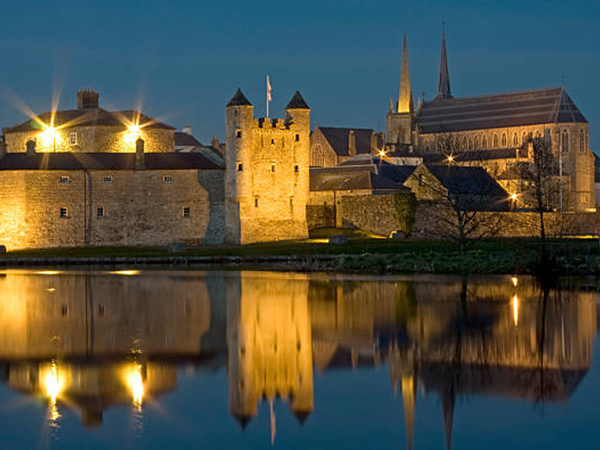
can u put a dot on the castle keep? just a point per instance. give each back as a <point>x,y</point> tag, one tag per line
<point>266,177</point>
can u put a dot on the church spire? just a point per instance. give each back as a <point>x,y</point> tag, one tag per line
<point>448,411</point>
<point>409,396</point>
<point>405,102</point>
<point>444,84</point>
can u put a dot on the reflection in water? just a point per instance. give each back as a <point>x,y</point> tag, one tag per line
<point>89,341</point>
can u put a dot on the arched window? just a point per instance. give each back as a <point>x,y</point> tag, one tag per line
<point>516,139</point>
<point>476,143</point>
<point>471,144</point>
<point>523,137</point>
<point>565,141</point>
<point>581,141</point>
<point>484,142</point>
<point>496,144</point>
<point>503,139</point>
<point>538,135</point>
<point>465,144</point>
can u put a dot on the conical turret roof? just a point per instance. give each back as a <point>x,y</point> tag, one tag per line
<point>239,99</point>
<point>297,102</point>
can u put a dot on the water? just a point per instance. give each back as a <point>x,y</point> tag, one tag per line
<point>191,359</point>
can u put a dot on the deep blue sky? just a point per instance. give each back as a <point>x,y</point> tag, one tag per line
<point>186,58</point>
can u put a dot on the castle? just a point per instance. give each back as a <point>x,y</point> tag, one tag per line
<point>91,177</point>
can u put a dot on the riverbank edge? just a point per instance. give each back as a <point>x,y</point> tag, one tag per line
<point>472,263</point>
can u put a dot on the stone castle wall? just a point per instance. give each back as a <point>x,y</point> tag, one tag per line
<point>138,208</point>
<point>92,139</point>
<point>267,176</point>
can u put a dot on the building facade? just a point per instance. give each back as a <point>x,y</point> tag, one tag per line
<point>495,124</point>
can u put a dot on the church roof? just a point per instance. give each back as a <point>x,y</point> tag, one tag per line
<point>186,140</point>
<point>105,161</point>
<point>88,117</point>
<point>523,108</point>
<point>339,138</point>
<point>394,172</point>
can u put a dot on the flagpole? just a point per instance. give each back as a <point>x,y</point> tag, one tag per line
<point>268,95</point>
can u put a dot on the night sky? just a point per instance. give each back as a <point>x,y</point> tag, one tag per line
<point>184,59</point>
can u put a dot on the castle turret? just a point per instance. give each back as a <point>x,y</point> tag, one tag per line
<point>266,181</point>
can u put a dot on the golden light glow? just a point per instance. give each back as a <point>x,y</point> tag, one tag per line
<point>450,158</point>
<point>515,281</point>
<point>50,137</point>
<point>53,382</point>
<point>382,153</point>
<point>126,272</point>
<point>133,133</point>
<point>515,306</point>
<point>48,272</point>
<point>513,197</point>
<point>135,382</point>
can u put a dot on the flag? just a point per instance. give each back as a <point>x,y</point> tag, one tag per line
<point>269,89</point>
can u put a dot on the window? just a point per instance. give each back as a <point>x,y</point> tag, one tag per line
<point>565,141</point>
<point>523,137</point>
<point>256,203</point>
<point>504,140</point>
<point>484,142</point>
<point>496,142</point>
<point>515,139</point>
<point>64,310</point>
<point>272,141</point>
<point>168,179</point>
<point>101,309</point>
<point>240,167</point>
<point>186,212</point>
<point>273,167</point>
<point>296,169</point>
<point>64,212</point>
<point>476,143</point>
<point>64,179</point>
<point>73,138</point>
<point>108,179</point>
<point>297,137</point>
<point>420,179</point>
<point>100,212</point>
<point>581,141</point>
<point>238,134</point>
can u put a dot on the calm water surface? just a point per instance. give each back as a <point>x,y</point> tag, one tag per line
<point>191,359</point>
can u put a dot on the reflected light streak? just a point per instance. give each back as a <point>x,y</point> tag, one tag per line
<point>515,307</point>
<point>54,383</point>
<point>136,384</point>
<point>48,272</point>
<point>126,272</point>
<point>515,281</point>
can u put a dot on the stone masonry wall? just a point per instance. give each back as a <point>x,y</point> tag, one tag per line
<point>138,208</point>
<point>372,213</point>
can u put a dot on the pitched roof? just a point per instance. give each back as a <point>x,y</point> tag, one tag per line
<point>329,179</point>
<point>339,138</point>
<point>89,117</point>
<point>105,161</point>
<point>297,102</point>
<point>497,111</point>
<point>394,172</point>
<point>239,99</point>
<point>461,180</point>
<point>186,140</point>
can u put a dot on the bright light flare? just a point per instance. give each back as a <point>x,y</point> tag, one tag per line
<point>515,281</point>
<point>126,272</point>
<point>54,383</point>
<point>382,153</point>
<point>50,137</point>
<point>514,197</point>
<point>135,382</point>
<point>133,133</point>
<point>515,307</point>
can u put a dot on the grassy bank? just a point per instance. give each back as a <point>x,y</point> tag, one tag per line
<point>360,254</point>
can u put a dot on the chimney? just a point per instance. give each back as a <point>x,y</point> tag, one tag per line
<point>374,144</point>
<point>87,99</point>
<point>140,159</point>
<point>187,130</point>
<point>351,143</point>
<point>30,147</point>
<point>214,143</point>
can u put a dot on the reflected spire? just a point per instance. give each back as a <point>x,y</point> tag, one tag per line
<point>409,397</point>
<point>444,83</point>
<point>448,411</point>
<point>273,422</point>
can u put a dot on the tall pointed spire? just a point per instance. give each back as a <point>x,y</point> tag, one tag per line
<point>444,84</point>
<point>405,102</point>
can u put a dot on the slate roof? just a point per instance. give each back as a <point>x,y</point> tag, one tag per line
<point>297,102</point>
<point>394,172</point>
<point>89,117</point>
<point>330,179</point>
<point>186,140</point>
<point>339,138</point>
<point>461,180</point>
<point>497,111</point>
<point>239,99</point>
<point>105,161</point>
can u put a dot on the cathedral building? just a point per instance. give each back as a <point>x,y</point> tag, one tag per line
<point>495,128</point>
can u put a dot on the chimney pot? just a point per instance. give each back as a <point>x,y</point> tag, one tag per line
<point>87,99</point>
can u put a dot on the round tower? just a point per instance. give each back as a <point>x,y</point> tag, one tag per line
<point>239,121</point>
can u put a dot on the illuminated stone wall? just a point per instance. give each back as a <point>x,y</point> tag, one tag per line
<point>266,199</point>
<point>92,139</point>
<point>321,152</point>
<point>139,208</point>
